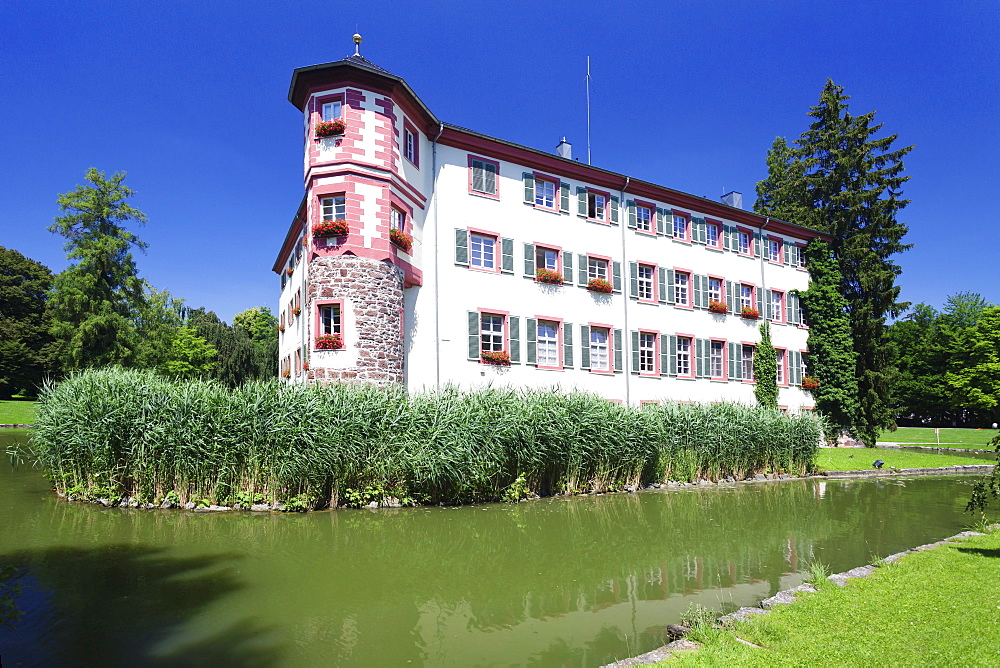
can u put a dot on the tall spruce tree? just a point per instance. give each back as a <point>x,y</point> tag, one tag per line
<point>843,180</point>
<point>96,299</point>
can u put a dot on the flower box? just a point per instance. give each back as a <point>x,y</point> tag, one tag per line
<point>286,374</point>
<point>305,366</point>
<point>810,383</point>
<point>296,310</point>
<point>281,328</point>
<point>401,239</point>
<point>750,313</point>
<point>329,342</point>
<point>331,228</point>
<point>548,276</point>
<point>326,129</point>
<point>718,307</point>
<point>495,357</point>
<point>599,285</point>
<point>289,271</point>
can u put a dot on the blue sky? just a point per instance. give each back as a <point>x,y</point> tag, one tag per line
<point>190,99</point>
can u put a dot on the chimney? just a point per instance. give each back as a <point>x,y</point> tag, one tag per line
<point>565,149</point>
<point>733,198</point>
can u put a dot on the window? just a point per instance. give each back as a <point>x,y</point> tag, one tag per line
<point>684,356</point>
<point>548,344</point>
<point>546,258</point>
<point>746,296</point>
<point>717,359</point>
<point>329,319</point>
<point>747,360</point>
<point>398,220</point>
<point>715,289</point>
<point>545,193</point>
<point>682,280</point>
<point>643,218</point>
<point>483,179</point>
<point>680,227</point>
<point>600,360</point>
<point>774,250</point>
<point>647,352</point>
<point>712,235</point>
<point>334,208</point>
<point>597,206</point>
<point>490,332</point>
<point>410,148</point>
<point>331,110</point>
<point>781,366</point>
<point>743,242</point>
<point>597,268</point>
<point>483,254</point>
<point>777,306</point>
<point>646,282</point>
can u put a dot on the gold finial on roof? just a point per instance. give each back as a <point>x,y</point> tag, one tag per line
<point>357,44</point>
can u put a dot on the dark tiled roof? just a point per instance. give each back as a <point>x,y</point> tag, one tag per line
<point>359,60</point>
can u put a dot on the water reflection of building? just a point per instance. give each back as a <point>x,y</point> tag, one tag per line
<point>462,250</point>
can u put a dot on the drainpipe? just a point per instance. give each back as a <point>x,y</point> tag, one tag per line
<point>437,263</point>
<point>623,223</point>
<point>763,263</point>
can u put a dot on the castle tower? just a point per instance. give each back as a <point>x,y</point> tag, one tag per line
<point>352,249</point>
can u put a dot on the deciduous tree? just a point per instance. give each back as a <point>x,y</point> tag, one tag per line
<point>27,351</point>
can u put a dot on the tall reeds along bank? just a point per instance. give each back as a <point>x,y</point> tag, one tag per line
<point>122,434</point>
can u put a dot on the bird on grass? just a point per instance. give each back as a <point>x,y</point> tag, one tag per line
<point>878,463</point>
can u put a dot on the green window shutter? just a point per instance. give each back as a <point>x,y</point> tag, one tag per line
<point>788,253</point>
<point>584,347</point>
<point>672,355</point>
<point>698,290</point>
<point>760,300</point>
<point>473,335</point>
<point>581,276</point>
<point>664,355</point>
<point>563,198</point>
<point>633,277</point>
<point>727,234</point>
<point>618,350</point>
<point>506,255</point>
<point>792,308</point>
<point>730,367</point>
<point>670,286</point>
<point>529,260</point>
<point>731,296</point>
<point>794,367</point>
<point>567,260</point>
<point>616,276</point>
<point>659,221</point>
<point>531,335</point>
<point>769,306</point>
<point>462,247</point>
<point>698,232</point>
<point>529,188</point>
<point>567,345</point>
<point>706,353</point>
<point>635,352</point>
<point>614,209</point>
<point>581,202</point>
<point>662,277</point>
<point>758,244</point>
<point>514,324</point>
<point>630,204</point>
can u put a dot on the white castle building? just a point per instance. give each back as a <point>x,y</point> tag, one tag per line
<point>467,259</point>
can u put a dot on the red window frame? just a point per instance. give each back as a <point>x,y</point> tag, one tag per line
<point>610,371</point>
<point>607,205</point>
<point>556,194</point>
<point>692,355</point>
<point>781,249</point>
<point>784,305</point>
<point>717,224</point>
<point>558,251</point>
<point>539,319</point>
<point>505,315</point>
<point>317,323</point>
<point>496,179</point>
<point>409,128</point>
<point>651,207</point>
<point>782,365</point>
<point>753,345</point>
<point>497,260</point>
<point>725,359</point>
<point>656,283</point>
<point>656,353</point>
<point>749,232</point>
<point>689,303</point>
<point>687,226</point>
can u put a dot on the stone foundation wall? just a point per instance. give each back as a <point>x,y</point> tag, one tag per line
<point>373,293</point>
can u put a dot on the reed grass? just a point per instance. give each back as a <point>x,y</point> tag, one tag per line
<point>116,433</point>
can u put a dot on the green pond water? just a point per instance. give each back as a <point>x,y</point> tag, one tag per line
<point>556,582</point>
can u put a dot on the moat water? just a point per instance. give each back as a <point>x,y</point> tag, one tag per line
<point>576,581</point>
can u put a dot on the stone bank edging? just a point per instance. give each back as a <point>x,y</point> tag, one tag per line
<point>15,426</point>
<point>785,597</point>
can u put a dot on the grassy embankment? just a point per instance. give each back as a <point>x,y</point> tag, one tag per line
<point>18,411</point>
<point>932,608</point>
<point>115,433</point>
<point>857,459</point>
<point>950,438</point>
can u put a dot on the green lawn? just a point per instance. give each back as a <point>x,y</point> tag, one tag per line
<point>935,608</point>
<point>970,438</point>
<point>856,459</point>
<point>18,411</point>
